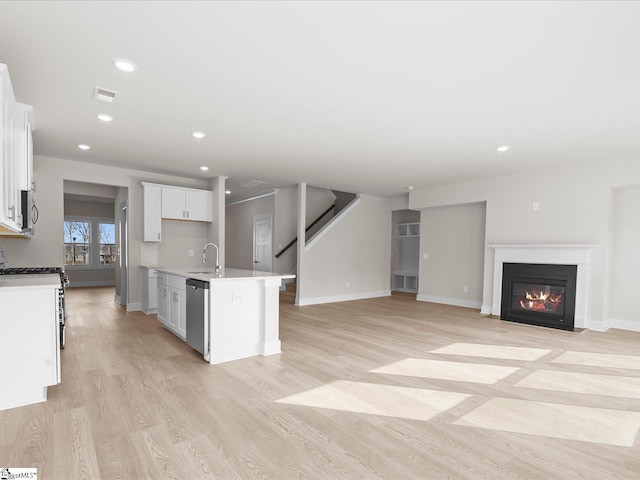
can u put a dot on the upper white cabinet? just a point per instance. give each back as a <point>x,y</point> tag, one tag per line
<point>172,203</point>
<point>16,157</point>
<point>187,204</point>
<point>151,212</point>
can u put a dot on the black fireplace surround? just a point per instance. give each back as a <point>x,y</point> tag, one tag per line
<point>539,294</point>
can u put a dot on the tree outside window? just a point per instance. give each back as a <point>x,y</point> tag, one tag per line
<point>107,243</point>
<point>77,239</point>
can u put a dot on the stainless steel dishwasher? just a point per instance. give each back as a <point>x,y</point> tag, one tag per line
<point>198,315</point>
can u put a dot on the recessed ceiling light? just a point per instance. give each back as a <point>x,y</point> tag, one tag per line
<point>104,117</point>
<point>410,187</point>
<point>125,65</point>
<point>198,134</point>
<point>83,146</point>
<point>204,168</point>
<point>503,148</point>
<point>227,192</point>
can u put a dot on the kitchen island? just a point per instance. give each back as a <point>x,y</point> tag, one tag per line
<point>30,333</point>
<point>242,317</point>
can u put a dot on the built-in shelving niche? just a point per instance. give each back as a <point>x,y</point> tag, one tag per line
<point>407,248</point>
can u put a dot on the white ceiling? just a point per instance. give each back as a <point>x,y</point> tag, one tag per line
<point>360,96</point>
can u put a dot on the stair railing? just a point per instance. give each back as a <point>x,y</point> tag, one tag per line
<point>313,224</point>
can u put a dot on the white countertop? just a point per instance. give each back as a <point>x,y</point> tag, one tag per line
<point>208,274</point>
<point>40,280</point>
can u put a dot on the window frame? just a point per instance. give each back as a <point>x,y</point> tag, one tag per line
<point>94,242</point>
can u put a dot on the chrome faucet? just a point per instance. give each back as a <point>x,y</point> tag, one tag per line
<point>204,255</point>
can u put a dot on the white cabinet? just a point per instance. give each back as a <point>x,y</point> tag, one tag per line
<point>149,290</point>
<point>199,205</point>
<point>151,212</point>
<point>30,333</point>
<point>172,203</point>
<point>163,298</point>
<point>187,204</point>
<point>408,236</point>
<point>172,303</point>
<point>178,311</point>
<point>16,164</point>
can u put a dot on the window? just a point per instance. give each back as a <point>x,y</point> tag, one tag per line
<point>89,242</point>
<point>77,239</point>
<point>107,243</point>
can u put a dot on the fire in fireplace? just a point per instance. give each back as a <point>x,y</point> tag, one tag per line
<point>539,294</point>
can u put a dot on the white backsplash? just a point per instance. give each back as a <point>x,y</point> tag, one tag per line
<point>149,254</point>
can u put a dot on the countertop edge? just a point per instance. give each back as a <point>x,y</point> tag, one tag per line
<point>229,274</point>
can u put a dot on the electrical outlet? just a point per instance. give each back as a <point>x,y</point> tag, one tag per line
<point>465,289</point>
<point>425,256</point>
<point>191,253</point>
<point>536,206</point>
<point>348,284</point>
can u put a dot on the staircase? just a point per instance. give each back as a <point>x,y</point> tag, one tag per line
<point>288,295</point>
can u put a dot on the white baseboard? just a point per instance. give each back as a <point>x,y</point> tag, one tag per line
<point>92,283</point>
<point>116,298</point>
<point>631,325</point>
<point>134,307</point>
<point>342,298</point>
<point>456,302</point>
<point>485,310</point>
<point>270,348</point>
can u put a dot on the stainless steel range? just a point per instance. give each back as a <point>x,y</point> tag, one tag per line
<point>64,279</point>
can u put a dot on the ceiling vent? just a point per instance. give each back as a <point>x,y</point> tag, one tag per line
<point>252,184</point>
<point>103,94</point>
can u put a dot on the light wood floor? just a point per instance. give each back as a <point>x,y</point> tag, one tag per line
<point>135,402</point>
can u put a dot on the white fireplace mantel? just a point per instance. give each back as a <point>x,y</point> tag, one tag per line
<point>544,254</point>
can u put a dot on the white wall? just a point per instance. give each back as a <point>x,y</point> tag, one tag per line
<point>355,251</point>
<point>625,258</point>
<point>239,230</point>
<point>46,247</point>
<point>283,206</point>
<point>575,207</point>
<point>453,238</point>
<point>179,240</point>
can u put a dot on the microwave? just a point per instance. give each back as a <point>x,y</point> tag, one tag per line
<point>29,211</point>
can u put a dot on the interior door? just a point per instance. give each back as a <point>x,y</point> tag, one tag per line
<point>262,242</point>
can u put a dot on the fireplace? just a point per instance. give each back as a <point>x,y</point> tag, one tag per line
<point>539,294</point>
<point>575,255</point>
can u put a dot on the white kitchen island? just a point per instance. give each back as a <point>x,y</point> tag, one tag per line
<point>30,333</point>
<point>243,311</point>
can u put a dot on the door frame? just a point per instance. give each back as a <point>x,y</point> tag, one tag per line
<point>260,218</point>
<point>123,254</point>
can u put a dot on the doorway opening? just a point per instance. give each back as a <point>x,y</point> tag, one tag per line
<point>262,239</point>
